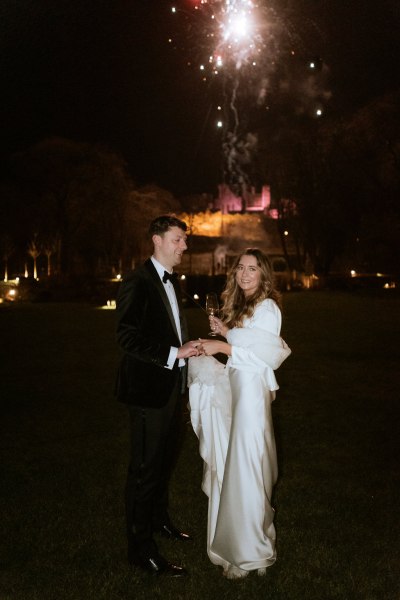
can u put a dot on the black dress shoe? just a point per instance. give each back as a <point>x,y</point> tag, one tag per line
<point>157,565</point>
<point>172,533</point>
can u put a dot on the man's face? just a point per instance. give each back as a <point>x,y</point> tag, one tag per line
<point>168,248</point>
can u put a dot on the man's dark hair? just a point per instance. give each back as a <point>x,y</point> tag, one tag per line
<point>162,224</point>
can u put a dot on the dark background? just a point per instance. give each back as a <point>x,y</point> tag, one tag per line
<point>101,71</point>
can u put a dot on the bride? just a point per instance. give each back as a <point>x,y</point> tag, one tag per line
<point>231,415</point>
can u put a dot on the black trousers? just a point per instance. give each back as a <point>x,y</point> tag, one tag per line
<point>155,439</point>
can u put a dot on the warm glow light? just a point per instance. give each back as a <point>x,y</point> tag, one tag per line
<point>196,296</point>
<point>353,273</point>
<point>286,233</point>
<point>111,305</point>
<point>183,277</point>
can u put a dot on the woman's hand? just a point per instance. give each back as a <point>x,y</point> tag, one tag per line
<point>218,326</point>
<point>211,347</point>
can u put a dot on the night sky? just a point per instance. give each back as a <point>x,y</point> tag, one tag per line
<point>103,71</point>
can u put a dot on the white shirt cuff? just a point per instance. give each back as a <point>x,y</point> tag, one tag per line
<point>173,353</point>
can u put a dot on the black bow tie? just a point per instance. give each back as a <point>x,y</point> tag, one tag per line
<point>171,276</point>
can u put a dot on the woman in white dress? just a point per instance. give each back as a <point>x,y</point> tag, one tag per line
<point>235,423</point>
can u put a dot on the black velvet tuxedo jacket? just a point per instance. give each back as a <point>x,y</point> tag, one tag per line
<point>146,331</point>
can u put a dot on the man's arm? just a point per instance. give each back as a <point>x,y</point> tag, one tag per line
<point>133,334</point>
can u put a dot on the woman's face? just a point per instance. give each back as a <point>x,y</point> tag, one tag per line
<point>248,274</point>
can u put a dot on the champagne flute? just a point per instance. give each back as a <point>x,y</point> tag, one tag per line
<point>212,307</point>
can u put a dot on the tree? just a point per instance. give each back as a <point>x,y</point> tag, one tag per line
<point>343,174</point>
<point>7,248</point>
<point>144,205</point>
<point>76,194</point>
<point>34,251</point>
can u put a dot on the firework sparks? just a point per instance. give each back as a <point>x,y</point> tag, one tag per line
<point>236,42</point>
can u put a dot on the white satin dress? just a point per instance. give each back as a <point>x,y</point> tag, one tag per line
<point>231,414</point>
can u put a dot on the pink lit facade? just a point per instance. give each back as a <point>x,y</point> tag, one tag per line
<point>251,202</point>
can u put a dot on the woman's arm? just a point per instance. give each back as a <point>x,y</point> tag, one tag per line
<point>211,347</point>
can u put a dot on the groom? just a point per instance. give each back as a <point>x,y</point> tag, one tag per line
<point>152,333</point>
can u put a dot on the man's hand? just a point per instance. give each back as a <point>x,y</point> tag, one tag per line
<point>189,349</point>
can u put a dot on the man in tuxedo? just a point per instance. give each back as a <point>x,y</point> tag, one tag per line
<point>153,335</point>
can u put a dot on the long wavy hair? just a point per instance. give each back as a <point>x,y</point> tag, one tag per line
<point>235,305</point>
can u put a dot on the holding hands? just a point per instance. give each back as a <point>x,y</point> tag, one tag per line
<point>189,349</point>
<point>207,347</point>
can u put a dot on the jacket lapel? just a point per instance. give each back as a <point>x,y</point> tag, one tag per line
<point>160,287</point>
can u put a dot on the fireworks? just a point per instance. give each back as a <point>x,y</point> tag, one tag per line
<point>238,47</point>
<point>232,29</point>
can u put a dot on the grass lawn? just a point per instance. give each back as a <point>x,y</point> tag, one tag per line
<point>64,450</point>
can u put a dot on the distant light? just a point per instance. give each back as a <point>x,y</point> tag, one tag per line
<point>318,112</point>
<point>379,275</point>
<point>201,67</point>
<point>219,124</point>
<point>312,65</point>
<point>219,108</point>
<point>173,9</point>
<point>183,277</point>
<point>111,305</point>
<point>12,292</point>
<point>389,286</point>
<point>353,273</point>
<point>285,232</point>
<point>196,296</point>
<point>119,276</point>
